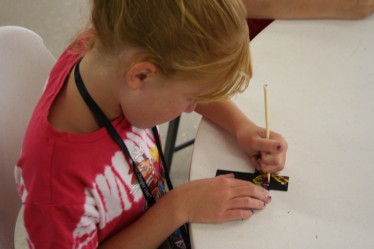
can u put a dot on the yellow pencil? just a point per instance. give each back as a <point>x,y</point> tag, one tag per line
<point>267,121</point>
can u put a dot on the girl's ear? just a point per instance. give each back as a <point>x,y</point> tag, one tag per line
<point>139,73</point>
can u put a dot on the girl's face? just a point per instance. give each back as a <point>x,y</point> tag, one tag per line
<point>160,100</point>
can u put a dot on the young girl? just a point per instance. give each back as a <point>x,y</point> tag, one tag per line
<point>90,174</point>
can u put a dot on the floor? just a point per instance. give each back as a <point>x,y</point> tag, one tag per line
<point>57,22</point>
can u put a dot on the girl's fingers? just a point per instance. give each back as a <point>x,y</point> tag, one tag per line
<point>252,191</point>
<point>230,175</point>
<point>226,198</point>
<point>237,214</point>
<point>246,203</point>
<point>244,192</point>
<point>270,145</point>
<point>271,159</point>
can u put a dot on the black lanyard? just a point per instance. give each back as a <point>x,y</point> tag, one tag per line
<point>99,114</point>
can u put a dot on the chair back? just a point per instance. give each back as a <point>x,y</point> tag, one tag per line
<point>25,63</point>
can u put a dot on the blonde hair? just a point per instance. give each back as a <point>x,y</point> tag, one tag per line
<point>202,41</point>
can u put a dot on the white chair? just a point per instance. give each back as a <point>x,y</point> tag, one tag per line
<point>25,63</point>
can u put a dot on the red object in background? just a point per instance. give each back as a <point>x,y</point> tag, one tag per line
<point>256,26</point>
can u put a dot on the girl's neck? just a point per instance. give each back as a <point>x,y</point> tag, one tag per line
<point>69,112</point>
<point>102,82</point>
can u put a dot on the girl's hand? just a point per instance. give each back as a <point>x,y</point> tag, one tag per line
<point>219,199</point>
<point>267,155</point>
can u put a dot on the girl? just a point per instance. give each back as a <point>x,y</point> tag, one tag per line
<point>90,174</point>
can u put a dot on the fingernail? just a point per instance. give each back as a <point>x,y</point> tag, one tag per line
<point>268,198</point>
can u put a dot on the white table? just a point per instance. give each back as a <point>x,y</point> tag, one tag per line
<point>321,98</point>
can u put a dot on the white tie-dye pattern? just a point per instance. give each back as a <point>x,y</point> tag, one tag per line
<point>111,188</point>
<point>29,243</point>
<point>122,169</point>
<point>107,200</point>
<point>22,191</point>
<point>109,196</point>
<point>85,232</point>
<point>139,140</point>
<point>88,221</point>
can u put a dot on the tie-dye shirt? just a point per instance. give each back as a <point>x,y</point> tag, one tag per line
<point>79,189</point>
